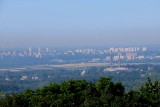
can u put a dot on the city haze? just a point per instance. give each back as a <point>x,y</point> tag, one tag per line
<point>79,23</point>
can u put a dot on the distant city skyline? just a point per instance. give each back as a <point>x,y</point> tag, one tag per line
<point>83,23</point>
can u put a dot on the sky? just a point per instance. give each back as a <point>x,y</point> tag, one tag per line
<point>79,23</point>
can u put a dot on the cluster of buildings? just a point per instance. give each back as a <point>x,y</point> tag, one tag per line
<point>130,53</point>
<point>23,53</point>
<point>128,49</point>
<point>24,77</point>
<point>126,56</point>
<point>123,53</point>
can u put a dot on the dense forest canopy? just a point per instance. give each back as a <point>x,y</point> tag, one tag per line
<point>75,93</point>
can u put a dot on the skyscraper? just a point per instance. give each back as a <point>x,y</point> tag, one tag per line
<point>29,51</point>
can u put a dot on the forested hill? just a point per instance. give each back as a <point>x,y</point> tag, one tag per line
<point>75,93</point>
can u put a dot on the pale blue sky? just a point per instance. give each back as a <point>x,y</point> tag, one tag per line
<point>79,22</point>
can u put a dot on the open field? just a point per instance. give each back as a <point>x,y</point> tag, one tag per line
<point>80,65</point>
<point>66,66</point>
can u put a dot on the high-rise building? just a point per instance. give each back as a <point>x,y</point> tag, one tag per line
<point>47,50</point>
<point>144,49</point>
<point>111,59</point>
<point>119,58</point>
<point>111,49</point>
<point>38,55</point>
<point>30,51</point>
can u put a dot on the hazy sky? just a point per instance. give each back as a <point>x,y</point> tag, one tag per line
<point>61,23</point>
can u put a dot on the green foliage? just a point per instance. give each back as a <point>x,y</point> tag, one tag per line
<point>16,100</point>
<point>75,93</point>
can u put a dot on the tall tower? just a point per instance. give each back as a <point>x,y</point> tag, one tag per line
<point>30,51</point>
<point>47,50</point>
<point>39,53</point>
<point>119,58</point>
<point>111,59</point>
